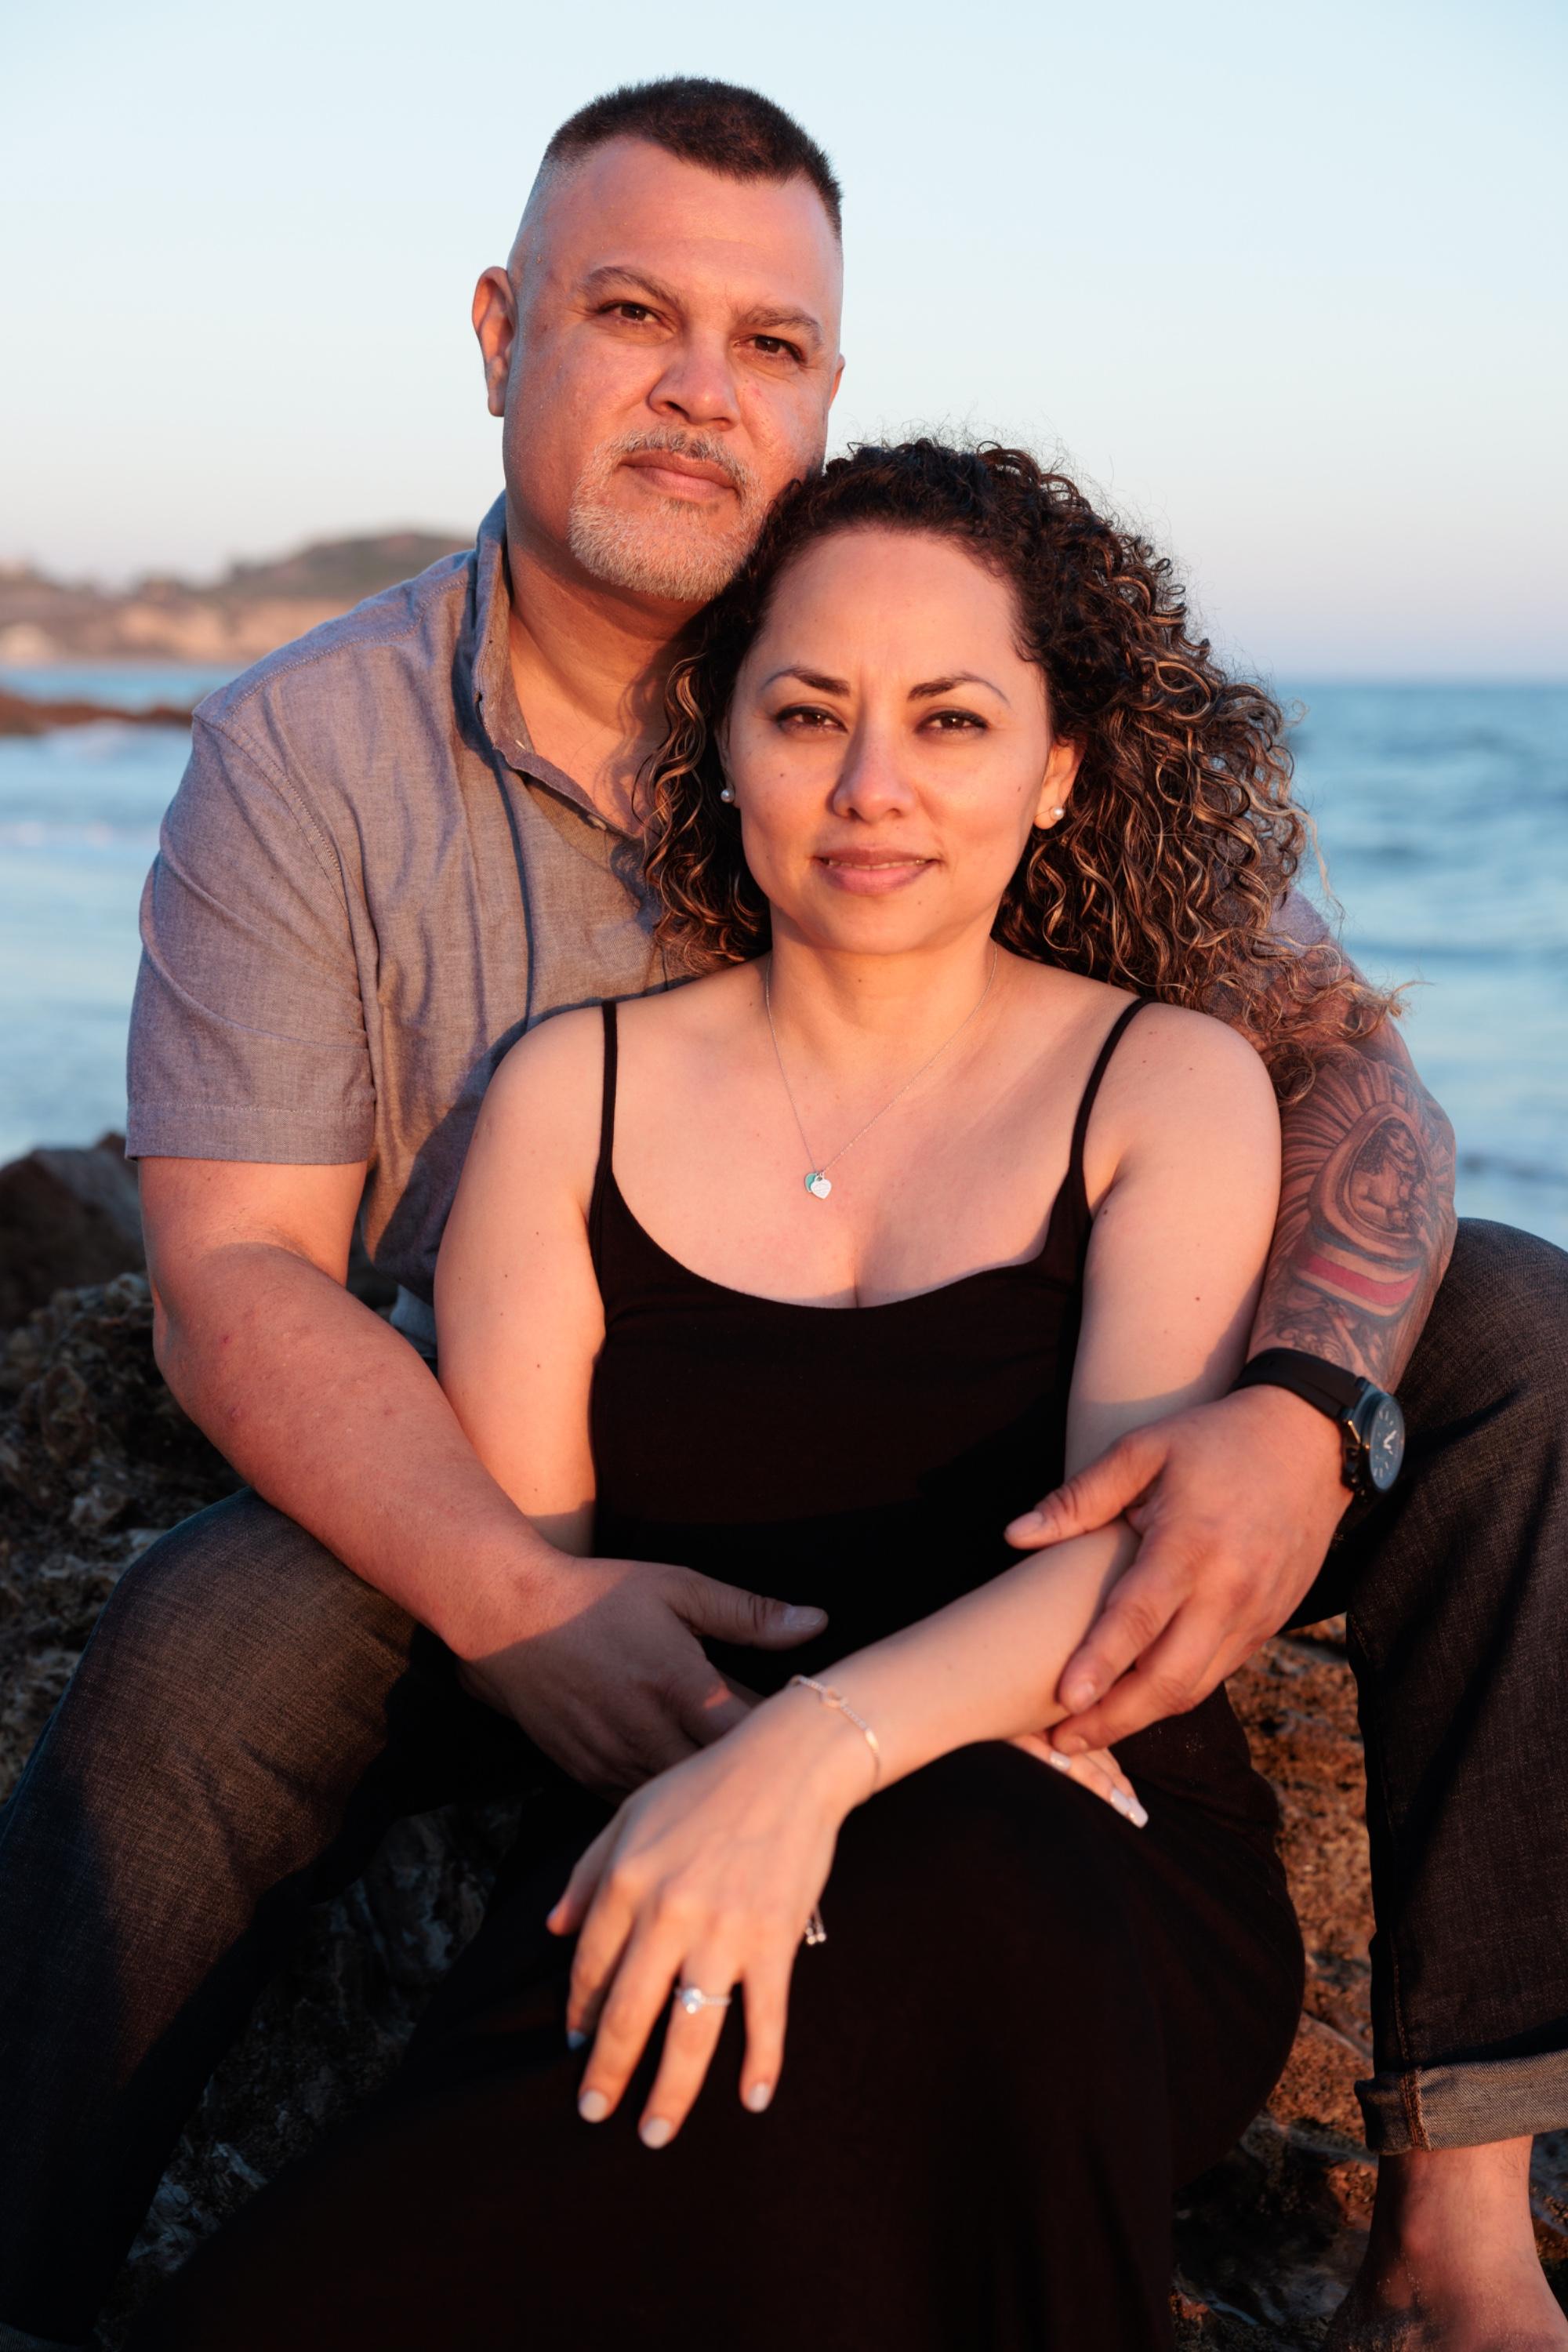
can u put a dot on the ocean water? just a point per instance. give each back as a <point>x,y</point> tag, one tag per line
<point>1441,812</point>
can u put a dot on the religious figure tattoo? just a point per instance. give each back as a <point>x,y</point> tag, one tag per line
<point>1366,1214</point>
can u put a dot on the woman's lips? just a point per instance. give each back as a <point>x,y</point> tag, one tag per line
<point>871,877</point>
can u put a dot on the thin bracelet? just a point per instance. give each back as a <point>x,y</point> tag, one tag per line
<point>831,1697</point>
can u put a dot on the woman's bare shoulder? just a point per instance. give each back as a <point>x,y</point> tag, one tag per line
<point>1185,1086</point>
<point>560,1051</point>
<point>547,1091</point>
<point>1187,1048</point>
<point>693,1007</point>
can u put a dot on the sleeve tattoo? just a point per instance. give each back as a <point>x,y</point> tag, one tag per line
<point>1366,1213</point>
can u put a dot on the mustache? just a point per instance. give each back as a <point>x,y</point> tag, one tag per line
<point>705,447</point>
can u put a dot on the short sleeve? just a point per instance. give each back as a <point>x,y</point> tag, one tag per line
<point>247,1032</point>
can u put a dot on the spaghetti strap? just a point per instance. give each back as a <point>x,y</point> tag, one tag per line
<point>1074,1189</point>
<point>602,1174</point>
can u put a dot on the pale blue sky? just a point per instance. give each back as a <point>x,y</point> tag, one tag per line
<point>1281,282</point>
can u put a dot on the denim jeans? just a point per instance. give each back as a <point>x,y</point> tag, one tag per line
<point>249,1718</point>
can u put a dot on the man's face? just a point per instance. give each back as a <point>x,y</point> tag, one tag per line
<point>664,352</point>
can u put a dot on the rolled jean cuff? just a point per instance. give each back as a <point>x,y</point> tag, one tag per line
<point>1465,2107</point>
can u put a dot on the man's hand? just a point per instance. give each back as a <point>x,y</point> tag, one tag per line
<point>611,1678</point>
<point>1236,1503</point>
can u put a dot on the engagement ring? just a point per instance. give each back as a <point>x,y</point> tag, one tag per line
<point>691,1997</point>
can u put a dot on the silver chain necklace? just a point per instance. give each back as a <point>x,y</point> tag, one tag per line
<point>817,1182</point>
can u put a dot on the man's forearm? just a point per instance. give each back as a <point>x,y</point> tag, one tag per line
<point>1366,1213</point>
<point>335,1420</point>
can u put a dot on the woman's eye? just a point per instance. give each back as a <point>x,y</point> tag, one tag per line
<point>805,718</point>
<point>956,722</point>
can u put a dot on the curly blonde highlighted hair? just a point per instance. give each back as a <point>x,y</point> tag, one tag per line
<point>1181,837</point>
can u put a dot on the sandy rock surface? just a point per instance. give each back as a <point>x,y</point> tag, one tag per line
<point>95,1459</point>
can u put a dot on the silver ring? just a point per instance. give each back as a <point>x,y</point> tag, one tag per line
<point>692,1999</point>
<point>816,1933</point>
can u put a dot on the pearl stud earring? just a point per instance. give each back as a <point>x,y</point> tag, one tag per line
<point>725,794</point>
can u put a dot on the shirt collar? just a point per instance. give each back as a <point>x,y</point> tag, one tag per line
<point>484,657</point>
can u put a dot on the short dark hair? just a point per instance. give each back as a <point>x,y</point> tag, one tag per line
<point>734,132</point>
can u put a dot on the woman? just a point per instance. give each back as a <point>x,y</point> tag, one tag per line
<point>812,1275</point>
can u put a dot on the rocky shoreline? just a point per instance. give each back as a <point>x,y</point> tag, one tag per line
<point>226,621</point>
<point>96,1460</point>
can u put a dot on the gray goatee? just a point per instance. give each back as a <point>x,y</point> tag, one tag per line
<point>671,548</point>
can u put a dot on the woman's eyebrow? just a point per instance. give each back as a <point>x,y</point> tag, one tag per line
<point>812,677</point>
<point>958,677</point>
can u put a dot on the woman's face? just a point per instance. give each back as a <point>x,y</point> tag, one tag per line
<point>888,748</point>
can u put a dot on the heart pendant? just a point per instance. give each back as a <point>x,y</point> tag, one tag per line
<point>817,1185</point>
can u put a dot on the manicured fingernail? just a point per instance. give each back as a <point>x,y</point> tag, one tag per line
<point>592,2106</point>
<point>1123,1803</point>
<point>1057,1763</point>
<point>757,2097</point>
<point>1138,1817</point>
<point>1072,1743</point>
<point>656,2132</point>
<point>575,2040</point>
<point>1029,1525</point>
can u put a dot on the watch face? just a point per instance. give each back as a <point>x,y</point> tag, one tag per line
<point>1384,1443</point>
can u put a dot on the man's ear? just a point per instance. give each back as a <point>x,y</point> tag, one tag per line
<point>1062,764</point>
<point>495,323</point>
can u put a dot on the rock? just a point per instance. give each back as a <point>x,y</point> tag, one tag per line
<point>66,1217</point>
<point>25,714</point>
<point>224,623</point>
<point>95,1458</point>
<point>73,1217</point>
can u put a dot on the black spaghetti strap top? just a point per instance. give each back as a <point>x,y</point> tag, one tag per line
<point>863,1458</point>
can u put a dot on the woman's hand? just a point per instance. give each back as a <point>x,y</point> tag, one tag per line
<point>706,1877</point>
<point>1097,1771</point>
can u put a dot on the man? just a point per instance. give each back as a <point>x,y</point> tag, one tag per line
<point>377,872</point>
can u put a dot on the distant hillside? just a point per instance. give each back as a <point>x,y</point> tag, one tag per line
<point>253,608</point>
<point>347,569</point>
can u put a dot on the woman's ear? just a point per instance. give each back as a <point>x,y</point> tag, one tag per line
<point>1062,765</point>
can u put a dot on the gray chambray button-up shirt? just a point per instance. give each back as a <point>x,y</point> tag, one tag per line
<point>367,887</point>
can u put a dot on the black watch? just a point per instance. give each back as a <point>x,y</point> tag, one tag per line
<point>1371,1425</point>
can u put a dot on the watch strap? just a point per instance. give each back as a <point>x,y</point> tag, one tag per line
<point>1335,1392</point>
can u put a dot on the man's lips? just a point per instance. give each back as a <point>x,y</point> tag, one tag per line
<point>677,476</point>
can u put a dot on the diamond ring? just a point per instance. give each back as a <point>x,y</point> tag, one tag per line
<point>691,1999</point>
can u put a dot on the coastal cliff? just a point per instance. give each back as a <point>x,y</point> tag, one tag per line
<point>234,620</point>
<point>96,1460</point>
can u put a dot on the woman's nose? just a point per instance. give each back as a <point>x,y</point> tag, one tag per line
<point>870,783</point>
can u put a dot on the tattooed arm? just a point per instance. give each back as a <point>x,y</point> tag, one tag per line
<point>1366,1213</point>
<point>1236,1502</point>
<point>1366,1205</point>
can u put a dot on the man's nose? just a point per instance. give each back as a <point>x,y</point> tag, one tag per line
<point>698,386</point>
<point>870,783</point>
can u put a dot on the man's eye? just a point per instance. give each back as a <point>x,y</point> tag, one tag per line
<point>773,347</point>
<point>633,312</point>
